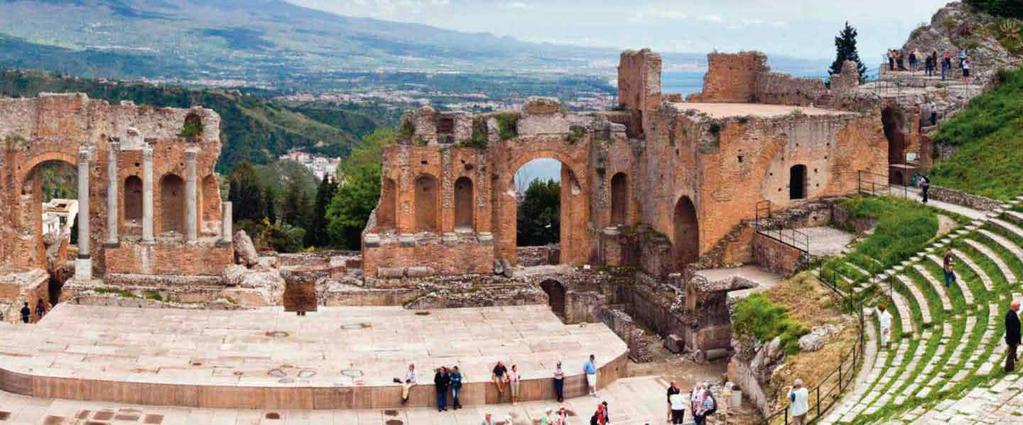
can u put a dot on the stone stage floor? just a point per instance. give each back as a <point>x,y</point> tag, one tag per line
<point>334,348</point>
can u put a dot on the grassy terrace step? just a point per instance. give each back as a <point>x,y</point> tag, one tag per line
<point>964,289</point>
<point>975,269</point>
<point>1015,230</point>
<point>994,258</point>
<point>921,306</point>
<point>1004,243</point>
<point>935,286</point>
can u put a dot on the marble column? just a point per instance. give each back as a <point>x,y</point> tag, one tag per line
<point>226,222</point>
<point>191,213</point>
<point>83,265</point>
<point>147,195</point>
<point>112,179</point>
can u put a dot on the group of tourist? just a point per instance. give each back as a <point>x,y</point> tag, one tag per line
<point>931,62</point>
<point>504,379</point>
<point>26,312</point>
<point>699,401</point>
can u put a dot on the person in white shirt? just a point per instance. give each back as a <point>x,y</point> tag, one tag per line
<point>885,320</point>
<point>678,407</point>
<point>799,398</point>
<point>408,383</point>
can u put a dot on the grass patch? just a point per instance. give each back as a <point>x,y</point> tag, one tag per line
<point>121,292</point>
<point>507,125</point>
<point>758,317</point>
<point>989,138</point>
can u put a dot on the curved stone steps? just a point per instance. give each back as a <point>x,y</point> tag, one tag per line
<point>1015,216</point>
<point>1012,228</point>
<point>975,363</point>
<point>976,269</point>
<point>918,296</point>
<point>873,363</point>
<point>899,375</point>
<point>1003,242</point>
<point>935,361</point>
<point>905,313</point>
<point>963,287</point>
<point>937,286</point>
<point>889,372</point>
<point>994,258</point>
<point>952,367</point>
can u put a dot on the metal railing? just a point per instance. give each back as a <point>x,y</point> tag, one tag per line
<point>777,231</point>
<point>876,184</point>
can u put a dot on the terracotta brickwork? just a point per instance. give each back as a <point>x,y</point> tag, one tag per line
<point>56,127</point>
<point>169,259</point>
<point>656,184</point>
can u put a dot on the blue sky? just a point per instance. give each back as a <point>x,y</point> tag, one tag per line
<point>798,28</point>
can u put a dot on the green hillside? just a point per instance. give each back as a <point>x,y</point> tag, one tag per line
<point>252,128</point>
<point>988,136</point>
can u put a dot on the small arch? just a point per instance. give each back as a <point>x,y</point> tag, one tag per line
<point>133,200</point>
<point>426,203</point>
<point>172,204</point>
<point>464,211</point>
<point>555,296</point>
<point>687,232</point>
<point>797,182</point>
<point>388,206</point>
<point>619,199</point>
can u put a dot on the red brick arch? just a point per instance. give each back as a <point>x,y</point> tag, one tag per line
<point>24,171</point>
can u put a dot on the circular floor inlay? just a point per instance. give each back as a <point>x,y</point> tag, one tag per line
<point>356,326</point>
<point>273,415</point>
<point>306,373</point>
<point>277,334</point>
<point>286,381</point>
<point>422,313</point>
<point>277,373</point>
<point>394,422</point>
<point>391,412</point>
<point>195,363</point>
<point>352,373</point>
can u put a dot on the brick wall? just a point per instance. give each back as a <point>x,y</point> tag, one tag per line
<point>169,259</point>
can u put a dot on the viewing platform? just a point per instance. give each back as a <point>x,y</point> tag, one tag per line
<point>337,358</point>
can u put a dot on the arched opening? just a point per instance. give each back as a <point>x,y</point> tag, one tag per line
<point>464,211</point>
<point>687,232</point>
<point>797,182</point>
<point>386,213</point>
<point>892,120</point>
<point>619,199</point>
<point>555,296</point>
<point>538,195</point>
<point>193,126</point>
<point>427,197</point>
<point>132,205</point>
<point>49,213</point>
<point>172,205</point>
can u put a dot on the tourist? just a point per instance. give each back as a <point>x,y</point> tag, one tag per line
<point>515,382</point>
<point>499,378</point>
<point>884,318</point>
<point>408,382</point>
<point>441,380</point>
<point>40,309</point>
<point>676,405</point>
<point>562,418</point>
<point>900,58</point>
<point>946,63</point>
<point>947,267</point>
<point>456,387</point>
<point>607,412</point>
<point>672,390</point>
<point>799,399</point>
<point>962,58</point>
<point>1012,335</point>
<point>695,397</point>
<point>559,383</point>
<point>891,60</point>
<point>599,417</point>
<point>928,66</point>
<point>546,418</point>
<point>590,369</point>
<point>487,419</point>
<point>966,70</point>
<point>26,313</point>
<point>706,408</point>
<point>925,185</point>
<point>913,55</point>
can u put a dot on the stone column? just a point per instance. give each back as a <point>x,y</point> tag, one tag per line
<point>112,179</point>
<point>226,223</point>
<point>191,214</point>
<point>83,265</point>
<point>147,195</point>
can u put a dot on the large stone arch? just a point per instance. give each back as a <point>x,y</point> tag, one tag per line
<point>686,232</point>
<point>575,200</point>
<point>26,202</point>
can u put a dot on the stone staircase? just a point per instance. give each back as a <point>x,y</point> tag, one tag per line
<point>946,340</point>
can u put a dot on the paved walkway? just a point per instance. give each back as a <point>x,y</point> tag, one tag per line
<point>764,278</point>
<point>914,194</point>
<point>632,401</point>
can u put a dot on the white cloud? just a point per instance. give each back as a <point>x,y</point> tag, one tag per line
<point>514,5</point>
<point>714,19</point>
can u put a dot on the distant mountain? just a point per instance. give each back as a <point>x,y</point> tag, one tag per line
<point>264,41</point>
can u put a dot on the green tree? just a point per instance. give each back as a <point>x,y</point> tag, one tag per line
<point>845,49</point>
<point>1004,8</point>
<point>316,233</point>
<point>296,203</point>
<point>358,190</point>
<point>247,194</point>
<point>538,221</point>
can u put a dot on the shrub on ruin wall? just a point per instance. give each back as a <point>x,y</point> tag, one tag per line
<point>758,317</point>
<point>507,125</point>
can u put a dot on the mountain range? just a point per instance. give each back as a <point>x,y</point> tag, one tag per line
<point>269,42</point>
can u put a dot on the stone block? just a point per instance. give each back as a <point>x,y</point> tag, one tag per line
<point>674,343</point>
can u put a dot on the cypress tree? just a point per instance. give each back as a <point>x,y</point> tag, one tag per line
<point>316,234</point>
<point>845,49</point>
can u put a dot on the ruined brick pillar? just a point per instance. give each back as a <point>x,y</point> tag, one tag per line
<point>226,232</point>
<point>639,83</point>
<point>112,154</point>
<point>190,194</point>
<point>147,194</point>
<point>83,266</point>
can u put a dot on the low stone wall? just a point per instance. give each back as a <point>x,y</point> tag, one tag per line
<point>421,257</point>
<point>168,259</point>
<point>741,374</point>
<point>530,256</point>
<point>281,396</point>
<point>956,197</point>
<point>19,288</point>
<point>777,257</point>
<point>622,324</point>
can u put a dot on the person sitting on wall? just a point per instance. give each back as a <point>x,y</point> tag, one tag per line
<point>408,382</point>
<point>499,378</point>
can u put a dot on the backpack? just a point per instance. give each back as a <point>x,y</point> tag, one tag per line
<point>714,402</point>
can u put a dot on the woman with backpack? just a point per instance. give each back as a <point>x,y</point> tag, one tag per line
<point>706,408</point>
